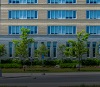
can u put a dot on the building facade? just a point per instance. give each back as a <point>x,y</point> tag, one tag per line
<point>52,22</point>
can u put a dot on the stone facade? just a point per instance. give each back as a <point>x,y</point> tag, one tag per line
<point>42,22</point>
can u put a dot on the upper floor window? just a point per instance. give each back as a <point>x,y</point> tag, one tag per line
<point>93,29</point>
<point>61,1</point>
<point>61,29</point>
<point>17,29</point>
<point>23,14</point>
<point>93,1</point>
<point>93,14</point>
<point>61,14</point>
<point>22,1</point>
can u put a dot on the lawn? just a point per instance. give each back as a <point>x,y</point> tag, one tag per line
<point>47,69</point>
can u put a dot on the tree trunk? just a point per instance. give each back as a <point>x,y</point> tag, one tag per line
<point>79,64</point>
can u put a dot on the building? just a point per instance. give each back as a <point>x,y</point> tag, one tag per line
<point>52,22</point>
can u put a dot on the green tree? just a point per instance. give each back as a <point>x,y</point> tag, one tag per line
<point>41,51</point>
<point>21,46</point>
<point>2,50</point>
<point>62,50</point>
<point>78,47</point>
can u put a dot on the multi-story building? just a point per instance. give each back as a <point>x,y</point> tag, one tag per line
<point>52,22</point>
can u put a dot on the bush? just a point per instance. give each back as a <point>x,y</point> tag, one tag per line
<point>68,65</point>
<point>67,61</point>
<point>12,65</point>
<point>90,62</point>
<point>16,61</point>
<point>49,62</point>
<point>6,61</point>
<point>37,62</point>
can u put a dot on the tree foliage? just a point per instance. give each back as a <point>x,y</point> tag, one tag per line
<point>21,46</point>
<point>62,50</point>
<point>2,50</point>
<point>77,47</point>
<point>41,51</point>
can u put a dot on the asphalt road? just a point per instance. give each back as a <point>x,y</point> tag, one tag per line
<point>51,80</point>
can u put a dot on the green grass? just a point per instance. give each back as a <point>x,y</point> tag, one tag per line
<point>39,69</point>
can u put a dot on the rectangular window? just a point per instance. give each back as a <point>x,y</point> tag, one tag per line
<point>22,1</point>
<point>35,48</point>
<point>61,30</point>
<point>93,14</point>
<point>54,49</point>
<point>94,49</point>
<point>61,1</point>
<point>48,47</point>
<point>93,1</point>
<point>88,47</point>
<point>10,49</point>
<point>61,14</point>
<point>17,29</point>
<point>29,49</point>
<point>93,29</point>
<point>22,14</point>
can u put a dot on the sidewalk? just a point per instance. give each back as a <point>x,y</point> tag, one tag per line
<point>39,74</point>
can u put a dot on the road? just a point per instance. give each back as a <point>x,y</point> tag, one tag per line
<point>51,80</point>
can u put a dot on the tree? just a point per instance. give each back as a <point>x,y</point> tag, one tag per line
<point>2,50</point>
<point>62,50</point>
<point>78,48</point>
<point>21,46</point>
<point>41,51</point>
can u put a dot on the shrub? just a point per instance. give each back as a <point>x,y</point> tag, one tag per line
<point>37,62</point>
<point>68,65</point>
<point>67,61</point>
<point>12,65</point>
<point>49,62</point>
<point>16,61</point>
<point>90,62</point>
<point>6,61</point>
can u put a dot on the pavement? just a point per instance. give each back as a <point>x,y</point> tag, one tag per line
<point>39,74</point>
<point>57,81</point>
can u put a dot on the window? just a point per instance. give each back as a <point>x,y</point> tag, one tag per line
<point>93,29</point>
<point>54,49</point>
<point>61,1</point>
<point>94,48</point>
<point>88,46</point>
<point>35,48</point>
<point>10,49</point>
<point>61,14</point>
<point>17,29</point>
<point>48,47</point>
<point>22,14</point>
<point>22,1</point>
<point>61,29</point>
<point>93,1</point>
<point>93,14</point>
<point>29,49</point>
